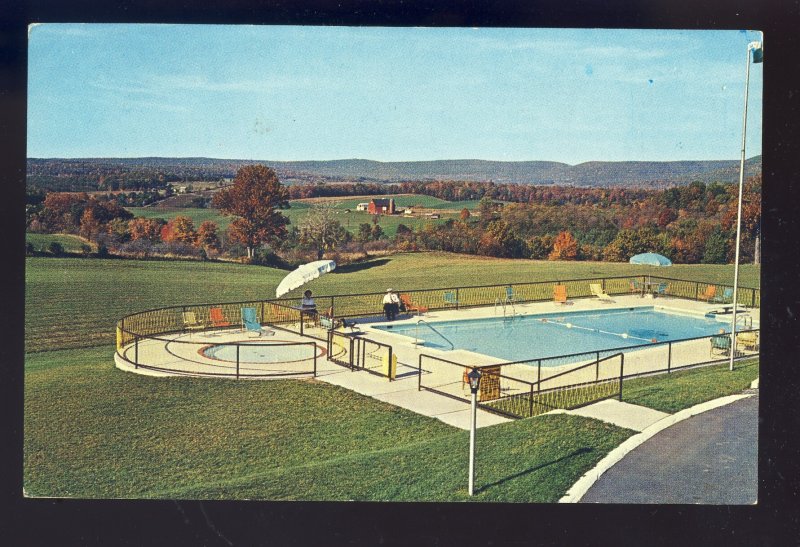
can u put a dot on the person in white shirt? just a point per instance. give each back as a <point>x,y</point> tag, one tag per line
<point>391,304</point>
<point>308,307</point>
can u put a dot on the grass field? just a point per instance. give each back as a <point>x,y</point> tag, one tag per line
<point>58,290</point>
<point>201,439</point>
<point>94,431</point>
<point>689,387</point>
<point>299,209</point>
<point>71,244</point>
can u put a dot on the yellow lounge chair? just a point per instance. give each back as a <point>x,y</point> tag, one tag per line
<point>191,322</point>
<point>597,290</point>
<point>747,340</point>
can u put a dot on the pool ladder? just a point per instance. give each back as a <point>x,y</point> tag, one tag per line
<point>508,307</point>
<point>423,322</point>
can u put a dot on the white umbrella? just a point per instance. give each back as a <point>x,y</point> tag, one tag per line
<point>303,275</point>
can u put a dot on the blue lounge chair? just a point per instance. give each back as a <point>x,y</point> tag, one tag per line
<point>510,295</point>
<point>250,322</point>
<point>450,298</point>
<point>721,344</point>
<point>662,289</point>
<point>726,298</point>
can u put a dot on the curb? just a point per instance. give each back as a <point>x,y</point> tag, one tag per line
<point>579,489</point>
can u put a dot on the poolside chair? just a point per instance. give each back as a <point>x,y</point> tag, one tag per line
<point>747,340</point>
<point>191,322</point>
<point>560,294</point>
<point>250,322</point>
<point>711,292</point>
<point>720,344</point>
<point>217,318</point>
<point>510,295</point>
<point>597,290</point>
<point>636,286</point>
<point>662,289</point>
<point>410,306</point>
<point>450,298</point>
<point>725,298</point>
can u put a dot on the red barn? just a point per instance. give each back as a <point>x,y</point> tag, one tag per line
<point>381,207</point>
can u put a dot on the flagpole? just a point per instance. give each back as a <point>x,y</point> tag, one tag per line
<point>751,46</point>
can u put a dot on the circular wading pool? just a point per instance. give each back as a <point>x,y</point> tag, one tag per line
<point>261,353</point>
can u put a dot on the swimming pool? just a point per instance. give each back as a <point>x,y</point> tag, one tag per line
<point>550,335</point>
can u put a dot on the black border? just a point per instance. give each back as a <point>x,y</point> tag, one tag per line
<point>774,521</point>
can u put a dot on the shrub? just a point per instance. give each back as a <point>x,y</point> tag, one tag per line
<point>55,248</point>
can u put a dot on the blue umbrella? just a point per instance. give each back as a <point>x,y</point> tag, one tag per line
<point>651,259</point>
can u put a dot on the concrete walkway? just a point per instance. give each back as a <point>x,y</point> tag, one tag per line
<point>621,414</point>
<point>703,455</point>
<point>404,392</point>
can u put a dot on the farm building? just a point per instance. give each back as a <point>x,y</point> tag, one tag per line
<point>362,206</point>
<point>381,206</point>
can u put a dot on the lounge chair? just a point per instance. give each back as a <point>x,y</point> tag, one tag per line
<point>410,306</point>
<point>726,298</point>
<point>662,289</point>
<point>217,318</point>
<point>711,292</point>
<point>720,344</point>
<point>510,294</point>
<point>747,340</point>
<point>450,298</point>
<point>560,294</point>
<point>635,285</point>
<point>191,322</point>
<point>597,290</point>
<point>250,322</point>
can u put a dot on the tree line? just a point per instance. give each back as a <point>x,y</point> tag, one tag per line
<point>689,224</point>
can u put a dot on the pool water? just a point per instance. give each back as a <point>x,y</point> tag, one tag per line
<point>255,353</point>
<point>541,336</point>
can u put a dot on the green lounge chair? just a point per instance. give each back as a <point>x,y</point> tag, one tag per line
<point>720,344</point>
<point>450,298</point>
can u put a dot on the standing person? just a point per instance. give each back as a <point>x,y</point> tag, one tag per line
<point>391,304</point>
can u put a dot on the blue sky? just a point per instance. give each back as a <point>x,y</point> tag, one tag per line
<point>389,94</point>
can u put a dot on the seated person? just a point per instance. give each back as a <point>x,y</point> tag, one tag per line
<point>308,306</point>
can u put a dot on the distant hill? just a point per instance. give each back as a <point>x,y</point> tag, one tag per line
<point>87,172</point>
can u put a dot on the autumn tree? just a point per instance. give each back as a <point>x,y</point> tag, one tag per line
<point>499,239</point>
<point>207,237</point>
<point>179,230</point>
<point>321,231</point>
<point>464,215</point>
<point>145,228</point>
<point>255,198</point>
<point>565,247</point>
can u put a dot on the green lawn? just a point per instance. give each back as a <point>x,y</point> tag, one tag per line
<point>299,209</point>
<point>282,439</point>
<point>71,244</point>
<point>76,302</point>
<point>94,431</point>
<point>679,390</point>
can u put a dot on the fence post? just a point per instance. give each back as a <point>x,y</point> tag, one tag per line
<point>314,349</point>
<point>621,373</point>
<point>419,374</point>
<point>237,361</point>
<point>697,290</point>
<point>389,368</point>
<point>530,412</point>
<point>352,366</point>
<point>136,352</point>
<point>597,365</point>
<point>669,356</point>
<point>457,298</point>
<point>301,323</point>
<point>753,298</point>
<point>539,376</point>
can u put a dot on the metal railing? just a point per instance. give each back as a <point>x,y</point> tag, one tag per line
<point>431,327</point>
<point>504,391</point>
<point>359,353</point>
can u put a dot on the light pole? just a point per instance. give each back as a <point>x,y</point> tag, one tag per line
<point>758,57</point>
<point>474,383</point>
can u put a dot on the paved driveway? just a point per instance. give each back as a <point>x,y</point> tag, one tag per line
<point>711,458</point>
